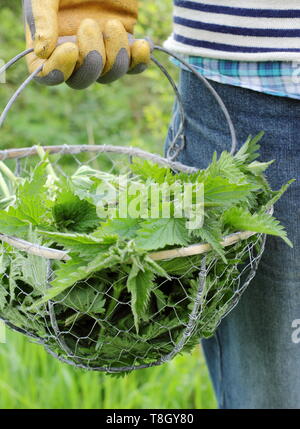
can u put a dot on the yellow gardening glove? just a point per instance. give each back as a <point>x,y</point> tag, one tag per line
<point>82,41</point>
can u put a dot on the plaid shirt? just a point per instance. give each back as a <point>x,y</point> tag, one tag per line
<point>281,78</point>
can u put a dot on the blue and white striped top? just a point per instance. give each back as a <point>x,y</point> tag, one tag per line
<point>243,30</point>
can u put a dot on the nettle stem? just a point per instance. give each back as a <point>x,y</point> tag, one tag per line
<point>4,187</point>
<point>8,173</point>
<point>42,154</point>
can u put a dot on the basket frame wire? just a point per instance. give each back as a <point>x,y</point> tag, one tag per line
<point>173,152</point>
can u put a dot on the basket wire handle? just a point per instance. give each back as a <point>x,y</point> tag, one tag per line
<point>14,60</point>
<point>17,94</point>
<point>208,86</point>
<point>174,148</point>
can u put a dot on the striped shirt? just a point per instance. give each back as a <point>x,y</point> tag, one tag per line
<point>242,30</point>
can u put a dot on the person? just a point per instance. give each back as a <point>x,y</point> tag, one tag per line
<point>250,51</point>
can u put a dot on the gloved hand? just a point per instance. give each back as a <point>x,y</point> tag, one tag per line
<point>83,41</point>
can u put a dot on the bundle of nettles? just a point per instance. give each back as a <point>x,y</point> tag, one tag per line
<point>110,303</point>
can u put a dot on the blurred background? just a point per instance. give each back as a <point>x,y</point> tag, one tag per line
<point>133,111</point>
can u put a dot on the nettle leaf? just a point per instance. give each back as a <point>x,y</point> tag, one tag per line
<point>85,182</point>
<point>250,149</point>
<point>125,228</point>
<point>227,167</point>
<point>278,194</point>
<point>17,318</point>
<point>181,266</point>
<point>68,274</point>
<point>104,260</point>
<point>10,224</point>
<point>6,202</point>
<point>140,285</point>
<point>159,233</point>
<point>258,168</point>
<point>84,299</point>
<point>218,191</point>
<point>87,246</point>
<point>15,273</point>
<point>4,260</point>
<point>161,300</point>
<point>33,203</point>
<point>241,219</point>
<point>3,294</point>
<point>77,269</point>
<point>73,214</point>
<point>211,233</point>
<point>154,267</point>
<point>33,271</point>
<point>147,170</point>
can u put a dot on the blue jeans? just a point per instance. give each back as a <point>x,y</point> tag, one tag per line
<point>254,357</point>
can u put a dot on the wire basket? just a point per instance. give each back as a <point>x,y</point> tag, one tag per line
<point>90,325</point>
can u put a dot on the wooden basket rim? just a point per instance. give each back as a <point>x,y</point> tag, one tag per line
<point>180,252</point>
<point>130,151</point>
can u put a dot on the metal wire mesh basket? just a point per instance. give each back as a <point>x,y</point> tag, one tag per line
<point>90,325</point>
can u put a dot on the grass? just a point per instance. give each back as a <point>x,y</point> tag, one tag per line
<point>31,379</point>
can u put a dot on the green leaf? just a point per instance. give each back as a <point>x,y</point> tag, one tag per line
<point>33,203</point>
<point>278,194</point>
<point>211,233</point>
<point>87,246</point>
<point>158,233</point>
<point>3,295</point>
<point>218,191</point>
<point>12,225</point>
<point>4,260</point>
<point>124,228</point>
<point>66,276</point>
<point>147,170</point>
<point>241,219</point>
<point>6,202</point>
<point>250,149</point>
<point>154,267</point>
<point>17,318</point>
<point>102,261</point>
<point>73,214</point>
<point>85,299</point>
<point>33,271</point>
<point>181,266</point>
<point>14,274</point>
<point>85,182</point>
<point>227,167</point>
<point>164,325</point>
<point>77,269</point>
<point>140,285</point>
<point>258,168</point>
<point>161,302</point>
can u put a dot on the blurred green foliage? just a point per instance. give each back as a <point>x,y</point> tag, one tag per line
<point>32,379</point>
<point>133,111</point>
